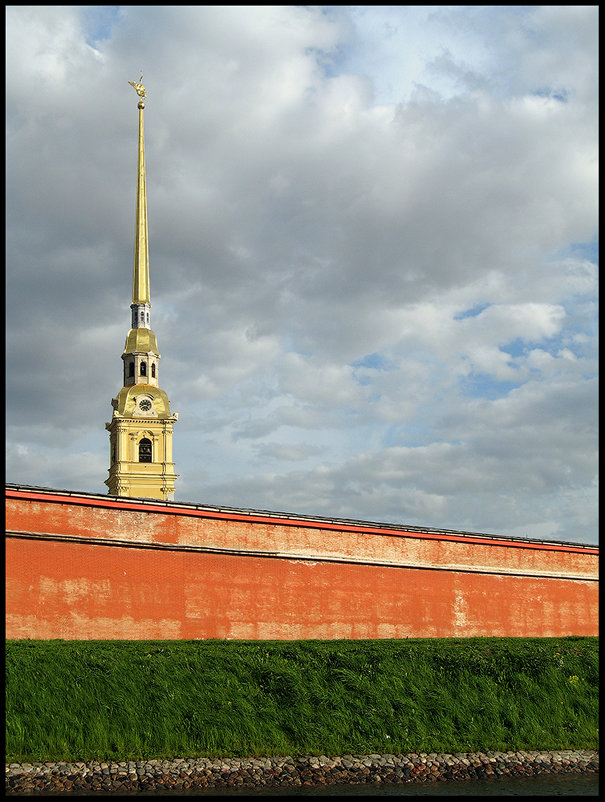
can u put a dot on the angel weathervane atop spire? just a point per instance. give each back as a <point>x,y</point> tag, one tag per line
<point>139,88</point>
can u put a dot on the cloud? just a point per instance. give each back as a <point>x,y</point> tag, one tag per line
<point>372,245</point>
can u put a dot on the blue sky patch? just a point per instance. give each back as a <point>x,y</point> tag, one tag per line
<point>556,94</point>
<point>473,312</point>
<point>580,250</point>
<point>483,386</point>
<point>516,347</point>
<point>99,21</point>
<point>374,361</point>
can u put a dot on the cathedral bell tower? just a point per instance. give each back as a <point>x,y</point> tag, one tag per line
<point>140,432</point>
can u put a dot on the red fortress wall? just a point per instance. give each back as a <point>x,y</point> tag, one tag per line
<point>87,566</point>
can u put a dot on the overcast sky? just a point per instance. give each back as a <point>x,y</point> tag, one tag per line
<point>373,247</point>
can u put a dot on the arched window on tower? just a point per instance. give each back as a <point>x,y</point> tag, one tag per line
<point>153,370</point>
<point>143,368</point>
<point>145,450</point>
<point>131,369</point>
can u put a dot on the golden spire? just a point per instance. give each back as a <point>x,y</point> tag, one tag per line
<point>140,282</point>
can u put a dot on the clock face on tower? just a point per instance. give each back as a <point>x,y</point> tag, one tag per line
<point>145,405</point>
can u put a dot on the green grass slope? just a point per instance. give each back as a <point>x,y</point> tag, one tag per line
<point>83,700</point>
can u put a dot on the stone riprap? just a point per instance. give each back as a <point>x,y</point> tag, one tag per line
<point>221,773</point>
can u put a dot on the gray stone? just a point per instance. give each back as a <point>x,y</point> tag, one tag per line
<point>308,770</point>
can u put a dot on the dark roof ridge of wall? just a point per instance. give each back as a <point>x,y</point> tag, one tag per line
<point>285,516</point>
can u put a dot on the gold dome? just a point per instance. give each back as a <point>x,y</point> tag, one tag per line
<point>141,340</point>
<point>127,398</point>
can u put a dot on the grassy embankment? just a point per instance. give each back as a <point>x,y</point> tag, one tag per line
<point>70,700</point>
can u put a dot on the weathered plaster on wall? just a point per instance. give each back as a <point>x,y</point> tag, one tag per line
<point>155,575</point>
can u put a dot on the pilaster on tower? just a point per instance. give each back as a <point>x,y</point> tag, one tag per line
<point>140,431</point>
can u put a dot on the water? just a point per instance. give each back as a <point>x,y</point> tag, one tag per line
<point>542,785</point>
<point>556,785</point>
